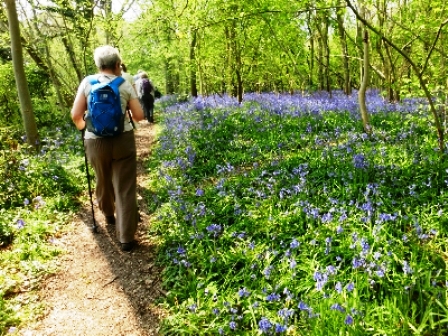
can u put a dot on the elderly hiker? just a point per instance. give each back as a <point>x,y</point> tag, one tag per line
<point>111,152</point>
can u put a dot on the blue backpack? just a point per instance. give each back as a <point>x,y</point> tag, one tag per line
<point>104,117</point>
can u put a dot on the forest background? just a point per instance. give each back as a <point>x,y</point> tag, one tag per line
<point>232,49</point>
<point>205,47</point>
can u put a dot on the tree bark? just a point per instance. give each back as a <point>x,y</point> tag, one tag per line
<point>364,85</point>
<point>29,121</point>
<point>347,87</point>
<point>193,65</point>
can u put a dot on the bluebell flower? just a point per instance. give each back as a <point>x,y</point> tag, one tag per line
<point>350,286</point>
<point>273,297</point>
<point>265,325</point>
<point>215,229</point>
<point>343,217</point>
<point>359,161</point>
<point>338,287</point>
<point>358,263</point>
<point>292,264</point>
<point>233,325</point>
<point>199,192</point>
<point>303,306</point>
<point>285,313</point>
<point>280,328</point>
<point>185,263</point>
<point>328,217</point>
<point>406,268</point>
<point>243,292</point>
<point>20,224</point>
<point>348,320</point>
<point>365,246</point>
<point>294,244</point>
<point>267,272</point>
<point>331,270</point>
<point>338,307</point>
<point>321,279</point>
<point>288,293</point>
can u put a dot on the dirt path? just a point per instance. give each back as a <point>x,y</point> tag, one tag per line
<point>100,290</point>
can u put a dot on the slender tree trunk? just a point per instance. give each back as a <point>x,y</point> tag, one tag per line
<point>71,55</point>
<point>193,64</point>
<point>364,85</point>
<point>326,51</point>
<point>26,107</point>
<point>238,68</point>
<point>341,29</point>
<point>230,68</point>
<point>311,52</point>
<point>320,58</point>
<point>107,7</point>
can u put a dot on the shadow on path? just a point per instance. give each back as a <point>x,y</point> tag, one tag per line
<point>100,290</point>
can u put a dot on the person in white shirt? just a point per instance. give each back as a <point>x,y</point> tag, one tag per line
<point>114,159</point>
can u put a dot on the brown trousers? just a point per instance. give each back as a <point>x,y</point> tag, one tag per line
<point>114,161</point>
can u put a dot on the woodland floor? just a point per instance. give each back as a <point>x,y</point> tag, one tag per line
<point>100,290</point>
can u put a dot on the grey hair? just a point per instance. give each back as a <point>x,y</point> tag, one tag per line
<point>106,57</point>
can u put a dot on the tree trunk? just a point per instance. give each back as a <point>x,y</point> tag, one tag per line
<point>341,29</point>
<point>108,27</point>
<point>71,55</point>
<point>230,82</point>
<point>364,85</point>
<point>326,50</point>
<point>193,65</point>
<point>29,121</point>
<point>311,53</point>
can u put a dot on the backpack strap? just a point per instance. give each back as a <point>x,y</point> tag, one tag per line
<point>115,83</point>
<point>93,79</point>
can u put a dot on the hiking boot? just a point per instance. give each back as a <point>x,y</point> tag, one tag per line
<point>128,247</point>
<point>110,220</point>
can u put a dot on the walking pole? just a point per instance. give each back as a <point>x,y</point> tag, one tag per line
<point>94,227</point>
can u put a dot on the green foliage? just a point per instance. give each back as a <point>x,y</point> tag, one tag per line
<point>41,93</point>
<point>39,192</point>
<point>26,176</point>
